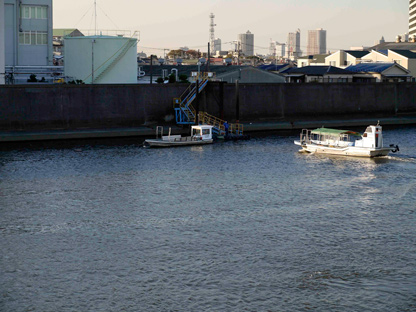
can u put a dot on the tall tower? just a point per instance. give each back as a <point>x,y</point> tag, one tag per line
<point>316,42</point>
<point>212,34</point>
<point>412,18</point>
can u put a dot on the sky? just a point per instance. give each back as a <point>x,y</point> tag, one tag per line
<point>171,24</point>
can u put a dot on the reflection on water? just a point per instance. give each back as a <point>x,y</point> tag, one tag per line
<point>234,226</point>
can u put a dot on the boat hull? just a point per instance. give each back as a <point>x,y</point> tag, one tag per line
<point>166,143</point>
<point>345,151</point>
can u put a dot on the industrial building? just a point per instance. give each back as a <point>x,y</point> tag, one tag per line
<point>28,32</point>
<point>2,55</point>
<point>26,40</point>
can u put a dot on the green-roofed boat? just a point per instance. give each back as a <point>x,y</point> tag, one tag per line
<point>345,142</point>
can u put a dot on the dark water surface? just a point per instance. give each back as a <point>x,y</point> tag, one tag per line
<point>236,226</point>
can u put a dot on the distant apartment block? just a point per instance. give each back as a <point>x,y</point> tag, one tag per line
<point>316,42</point>
<point>28,32</point>
<point>412,17</point>
<point>293,45</point>
<point>247,43</point>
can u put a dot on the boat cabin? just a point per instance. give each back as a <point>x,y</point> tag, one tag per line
<point>335,137</point>
<point>204,132</point>
<point>372,137</point>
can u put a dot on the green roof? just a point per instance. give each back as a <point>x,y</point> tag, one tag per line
<point>61,32</point>
<point>334,132</point>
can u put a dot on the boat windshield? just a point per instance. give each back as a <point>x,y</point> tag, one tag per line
<point>196,132</point>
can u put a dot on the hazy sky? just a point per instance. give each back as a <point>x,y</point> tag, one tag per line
<point>176,23</point>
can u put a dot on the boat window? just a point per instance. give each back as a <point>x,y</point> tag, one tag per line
<point>365,134</point>
<point>368,130</point>
<point>197,132</point>
<point>205,131</point>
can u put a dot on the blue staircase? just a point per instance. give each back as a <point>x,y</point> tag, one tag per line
<point>185,113</point>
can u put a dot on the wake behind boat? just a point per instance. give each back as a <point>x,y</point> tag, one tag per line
<point>345,142</point>
<point>201,134</point>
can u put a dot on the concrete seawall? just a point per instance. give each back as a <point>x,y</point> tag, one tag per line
<point>124,110</point>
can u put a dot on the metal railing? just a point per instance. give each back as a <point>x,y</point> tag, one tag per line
<point>234,128</point>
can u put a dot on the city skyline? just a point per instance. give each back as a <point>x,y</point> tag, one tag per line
<point>171,25</point>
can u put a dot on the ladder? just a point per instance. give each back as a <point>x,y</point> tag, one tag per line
<point>185,113</point>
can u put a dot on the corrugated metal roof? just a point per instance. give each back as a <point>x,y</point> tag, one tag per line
<point>369,67</point>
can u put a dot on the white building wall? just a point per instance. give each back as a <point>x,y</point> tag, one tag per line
<point>2,46</point>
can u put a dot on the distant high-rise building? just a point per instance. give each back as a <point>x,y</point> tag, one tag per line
<point>293,45</point>
<point>412,18</point>
<point>247,43</point>
<point>217,45</point>
<point>277,49</point>
<point>316,42</point>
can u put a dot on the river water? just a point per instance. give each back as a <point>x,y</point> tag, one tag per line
<point>235,226</point>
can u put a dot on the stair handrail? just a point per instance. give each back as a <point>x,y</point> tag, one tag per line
<point>234,128</point>
<point>120,52</point>
<point>130,43</point>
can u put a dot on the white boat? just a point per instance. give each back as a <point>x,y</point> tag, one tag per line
<point>200,134</point>
<point>345,142</point>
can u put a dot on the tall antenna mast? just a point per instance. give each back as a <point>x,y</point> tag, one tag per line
<point>211,33</point>
<point>95,15</point>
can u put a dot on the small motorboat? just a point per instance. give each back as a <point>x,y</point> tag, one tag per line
<point>200,134</point>
<point>345,142</point>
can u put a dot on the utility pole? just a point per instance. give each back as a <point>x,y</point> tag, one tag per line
<point>209,57</point>
<point>151,68</point>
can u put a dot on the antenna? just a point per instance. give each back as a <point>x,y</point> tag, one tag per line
<point>95,15</point>
<point>211,33</point>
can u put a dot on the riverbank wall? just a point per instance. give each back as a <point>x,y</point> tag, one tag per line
<point>78,108</point>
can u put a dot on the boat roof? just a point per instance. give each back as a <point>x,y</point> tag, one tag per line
<point>328,131</point>
<point>202,126</point>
